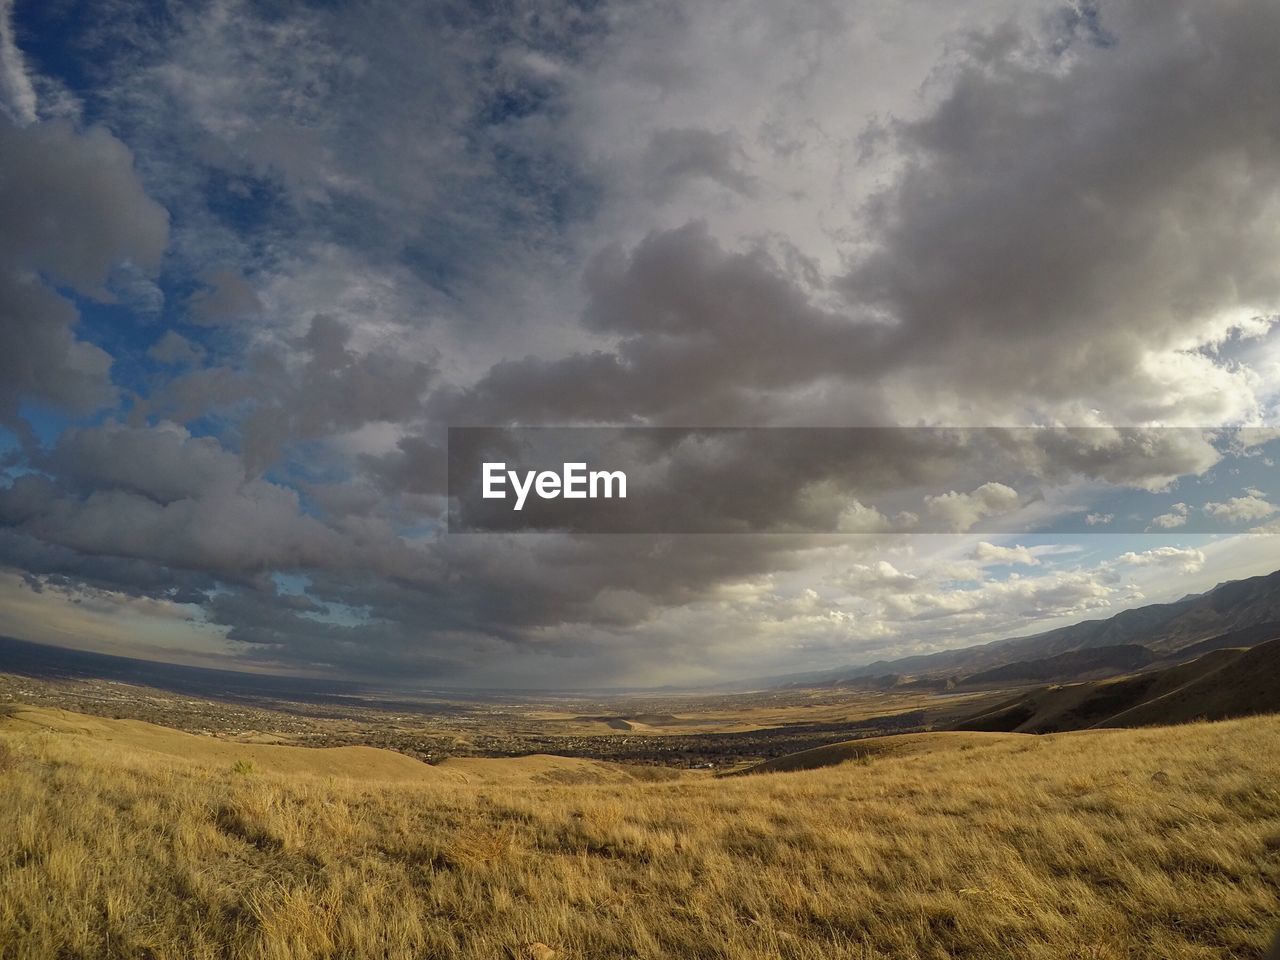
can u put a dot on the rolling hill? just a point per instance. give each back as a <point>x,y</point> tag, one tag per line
<point>356,763</point>
<point>1230,682</point>
<point>1153,842</point>
<point>137,736</point>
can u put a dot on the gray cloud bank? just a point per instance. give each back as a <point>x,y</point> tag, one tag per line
<point>72,208</point>
<point>375,227</point>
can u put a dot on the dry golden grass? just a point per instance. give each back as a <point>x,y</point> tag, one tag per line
<point>879,748</point>
<point>148,738</point>
<point>357,762</point>
<point>1150,843</point>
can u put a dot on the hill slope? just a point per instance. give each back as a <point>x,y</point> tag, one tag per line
<point>875,748</point>
<point>361,763</point>
<point>1242,685</point>
<point>351,763</point>
<point>1105,844</point>
<point>1223,683</point>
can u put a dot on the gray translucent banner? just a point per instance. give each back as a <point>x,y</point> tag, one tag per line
<point>862,480</point>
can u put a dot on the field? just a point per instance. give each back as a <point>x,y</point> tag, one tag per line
<point>123,840</point>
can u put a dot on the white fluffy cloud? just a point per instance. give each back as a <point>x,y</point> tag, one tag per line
<point>987,553</point>
<point>1174,518</point>
<point>1186,559</point>
<point>960,511</point>
<point>1250,507</point>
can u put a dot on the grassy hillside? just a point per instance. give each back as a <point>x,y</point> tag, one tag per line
<point>1246,683</point>
<point>1109,844</point>
<point>143,739</point>
<point>351,763</point>
<point>1220,684</point>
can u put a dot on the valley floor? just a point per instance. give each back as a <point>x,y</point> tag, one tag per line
<point>1155,842</point>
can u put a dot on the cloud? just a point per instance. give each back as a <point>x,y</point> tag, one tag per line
<point>987,553</point>
<point>1242,509</point>
<point>677,156</point>
<point>176,350</point>
<point>161,496</point>
<point>73,208</point>
<point>1185,559</point>
<point>164,463</point>
<point>223,298</point>
<point>881,577</point>
<point>1037,312</point>
<point>1001,604</point>
<point>960,511</point>
<point>17,93</point>
<point>318,387</point>
<point>1149,459</point>
<point>1099,250</point>
<point>701,331</point>
<point>1176,517</point>
<point>856,517</point>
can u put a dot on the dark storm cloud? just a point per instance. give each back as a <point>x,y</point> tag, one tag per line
<point>416,466</point>
<point>295,631</point>
<point>319,388</point>
<point>159,496</point>
<point>701,330</point>
<point>335,390</point>
<point>66,567</point>
<point>463,606</point>
<point>228,533</point>
<point>164,465</point>
<point>73,206</point>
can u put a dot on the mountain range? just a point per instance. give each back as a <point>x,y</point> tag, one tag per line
<point>1236,613</point>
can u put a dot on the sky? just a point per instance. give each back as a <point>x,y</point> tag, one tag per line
<point>258,257</point>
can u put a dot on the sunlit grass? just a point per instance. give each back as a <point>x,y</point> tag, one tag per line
<point>1110,844</point>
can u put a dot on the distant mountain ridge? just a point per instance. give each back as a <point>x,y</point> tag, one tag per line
<point>1163,628</point>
